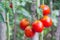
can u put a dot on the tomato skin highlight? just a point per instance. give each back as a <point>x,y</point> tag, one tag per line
<point>45,9</point>
<point>24,23</point>
<point>37,26</point>
<point>29,32</point>
<point>47,21</point>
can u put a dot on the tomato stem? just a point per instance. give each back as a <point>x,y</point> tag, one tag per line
<point>38,4</point>
<point>7,23</point>
<point>43,2</point>
<point>8,30</point>
<point>15,17</point>
<point>42,35</point>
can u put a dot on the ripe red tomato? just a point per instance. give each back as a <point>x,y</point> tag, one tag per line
<point>24,23</point>
<point>46,9</point>
<point>29,32</point>
<point>47,21</point>
<point>11,6</point>
<point>37,26</point>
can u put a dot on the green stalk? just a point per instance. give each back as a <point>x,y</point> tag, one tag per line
<point>13,2</point>
<point>15,15</point>
<point>43,2</point>
<point>42,35</point>
<point>8,36</point>
<point>38,4</point>
<point>7,22</point>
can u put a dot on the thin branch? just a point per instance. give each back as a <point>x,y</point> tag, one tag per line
<point>33,8</point>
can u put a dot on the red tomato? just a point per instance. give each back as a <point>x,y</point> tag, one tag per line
<point>24,23</point>
<point>47,21</point>
<point>11,6</point>
<point>46,9</point>
<point>37,26</point>
<point>29,32</point>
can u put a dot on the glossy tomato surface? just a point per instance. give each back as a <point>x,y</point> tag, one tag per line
<point>37,26</point>
<point>24,23</point>
<point>45,9</point>
<point>29,32</point>
<point>47,21</point>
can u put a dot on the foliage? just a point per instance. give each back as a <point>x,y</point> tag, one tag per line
<point>23,10</point>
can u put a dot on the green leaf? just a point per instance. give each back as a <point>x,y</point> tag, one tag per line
<point>39,11</point>
<point>24,12</point>
<point>55,13</point>
<point>55,21</point>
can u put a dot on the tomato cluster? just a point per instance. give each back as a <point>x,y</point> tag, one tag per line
<point>24,25</point>
<point>37,25</point>
<point>46,20</point>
